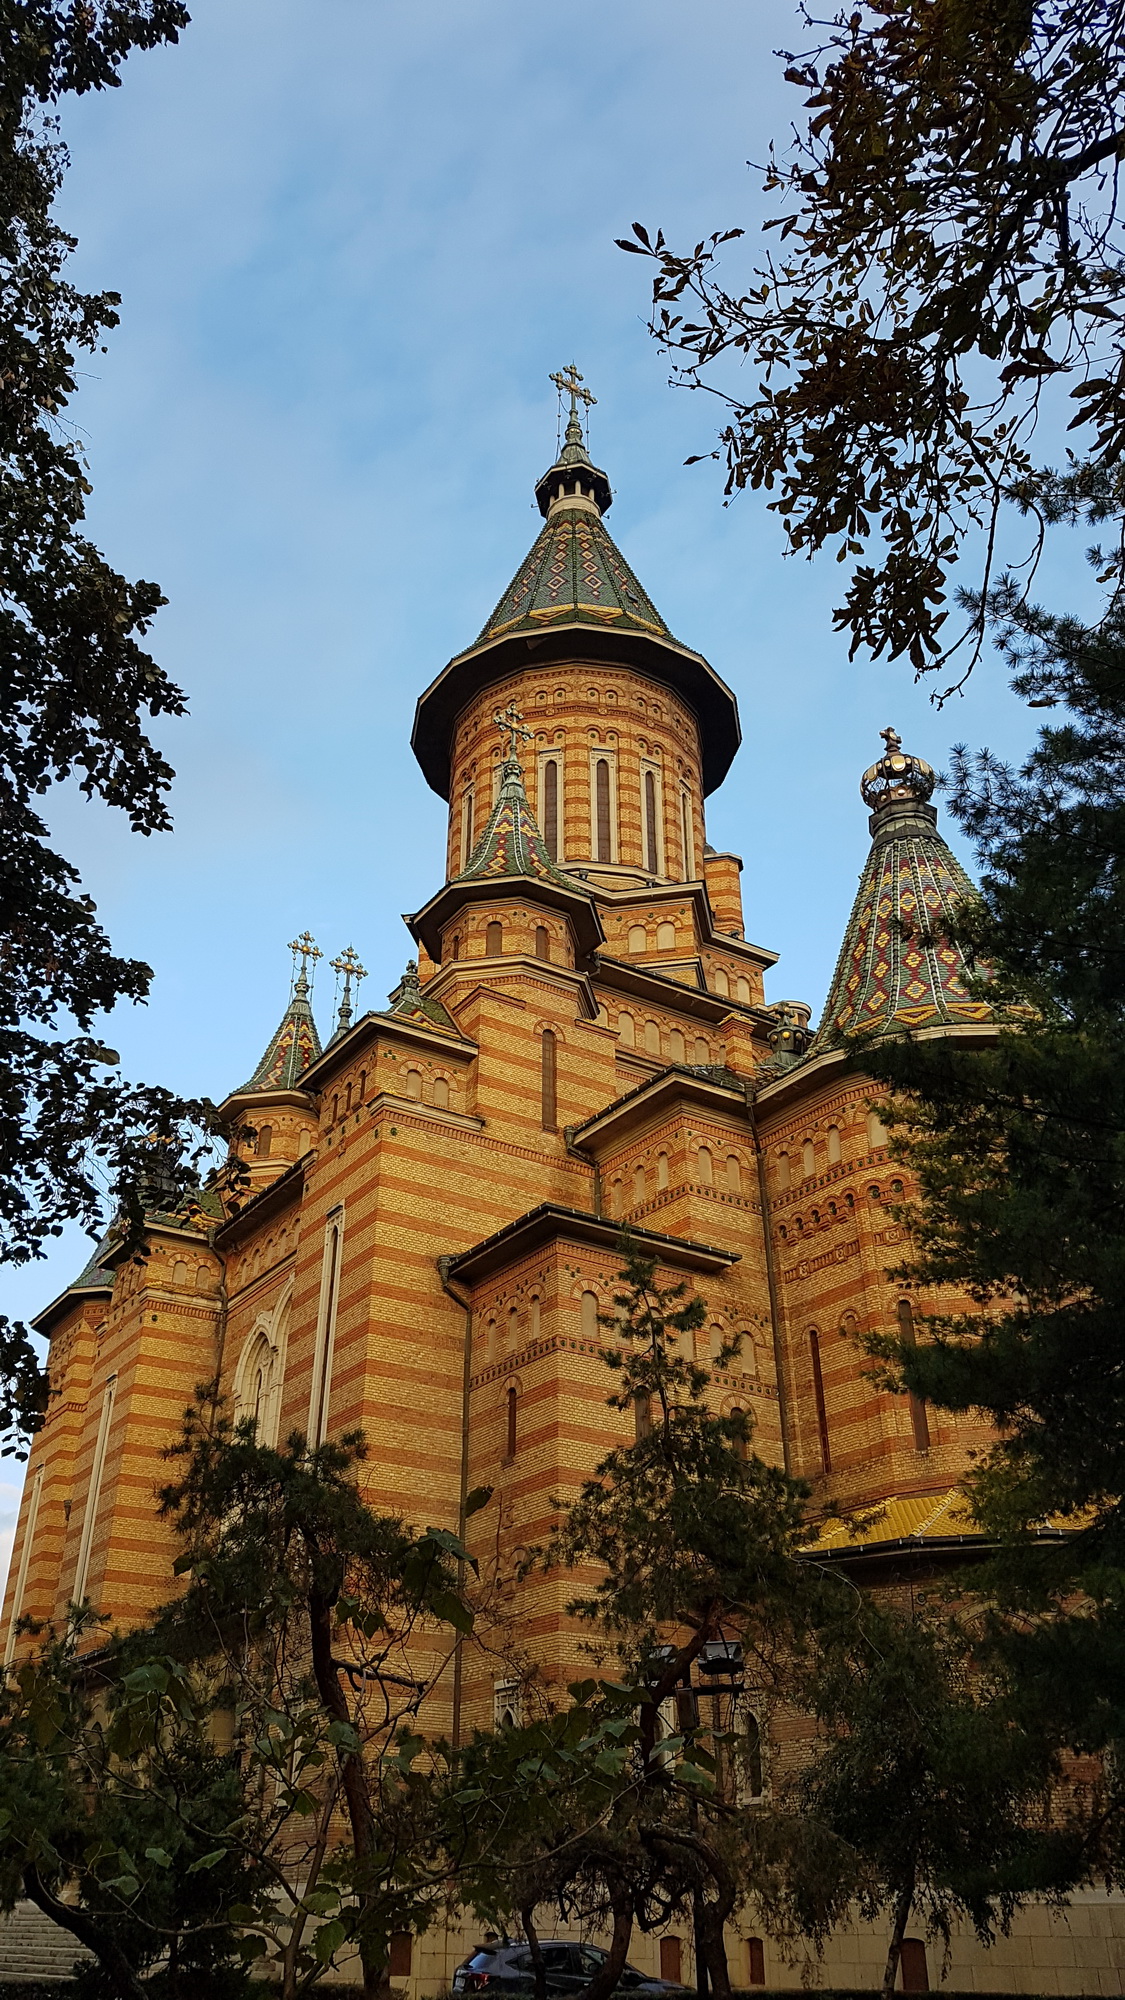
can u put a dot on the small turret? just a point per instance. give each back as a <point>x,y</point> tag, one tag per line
<point>272,1119</point>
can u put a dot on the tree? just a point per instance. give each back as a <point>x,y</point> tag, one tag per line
<point>76,685</point>
<point>115,1805</point>
<point>325,1625</point>
<point>949,248</point>
<point>695,1542</point>
<point>923,1778</point>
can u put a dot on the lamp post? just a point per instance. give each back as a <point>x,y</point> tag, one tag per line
<point>721,1670</point>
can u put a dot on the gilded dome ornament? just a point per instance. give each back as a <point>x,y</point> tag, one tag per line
<point>898,778</point>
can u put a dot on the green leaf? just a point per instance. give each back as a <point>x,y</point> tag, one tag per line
<point>210,1860</point>
<point>328,1940</point>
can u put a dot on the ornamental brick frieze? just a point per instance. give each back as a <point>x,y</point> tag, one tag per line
<point>807,1265</point>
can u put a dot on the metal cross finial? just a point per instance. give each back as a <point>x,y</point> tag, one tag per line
<point>570,383</point>
<point>892,739</point>
<point>347,967</point>
<point>303,948</point>
<point>511,722</point>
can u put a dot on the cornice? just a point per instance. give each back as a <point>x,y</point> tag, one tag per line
<point>551,1222</point>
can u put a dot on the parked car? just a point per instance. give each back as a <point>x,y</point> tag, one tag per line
<point>570,1965</point>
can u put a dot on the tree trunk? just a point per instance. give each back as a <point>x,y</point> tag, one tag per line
<point>538,1964</point>
<point>603,1982</point>
<point>898,1932</point>
<point>69,1918</point>
<point>355,1785</point>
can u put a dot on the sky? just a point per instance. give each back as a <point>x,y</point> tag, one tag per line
<point>353,238</point>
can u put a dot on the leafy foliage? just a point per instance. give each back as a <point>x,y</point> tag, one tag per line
<point>950,245</point>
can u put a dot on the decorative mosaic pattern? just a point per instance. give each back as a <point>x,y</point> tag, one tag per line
<point>575,575</point>
<point>295,1045</point>
<point>410,1000</point>
<point>885,976</point>
<point>511,843</point>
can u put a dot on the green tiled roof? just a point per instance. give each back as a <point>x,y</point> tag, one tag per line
<point>293,1047</point>
<point>575,574</point>
<point>411,1000</point>
<point>511,843</point>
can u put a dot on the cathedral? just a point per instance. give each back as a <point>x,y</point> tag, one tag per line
<point>431,1216</point>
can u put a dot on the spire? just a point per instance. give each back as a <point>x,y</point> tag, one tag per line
<point>347,967</point>
<point>295,1044</point>
<point>408,999</point>
<point>886,977</point>
<point>511,843</point>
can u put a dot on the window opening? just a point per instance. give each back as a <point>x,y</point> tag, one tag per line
<point>494,941</point>
<point>833,1145</point>
<point>818,1399</point>
<point>326,1334</point>
<point>602,799</point>
<point>549,1072</point>
<point>589,1316</point>
<point>919,1420</point>
<point>706,1166</point>
<point>441,1094</point>
<point>551,807</point>
<point>651,849</point>
<point>542,942</point>
<point>265,1141</point>
<point>513,1404</point>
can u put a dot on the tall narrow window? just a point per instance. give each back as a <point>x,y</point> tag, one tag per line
<point>705,1168</point>
<point>362,1089</point>
<point>321,1396</point>
<point>783,1170</point>
<point>513,1422</point>
<point>441,1094</point>
<point>82,1572</point>
<point>627,1031</point>
<point>603,827</point>
<point>818,1399</point>
<point>588,1316</point>
<point>265,1141</point>
<point>876,1130</point>
<point>542,942</point>
<point>915,1971</point>
<point>466,829</point>
<point>808,1160</point>
<point>551,807</point>
<point>414,1083</point>
<point>689,844</point>
<point>638,1184</point>
<point>642,1414</point>
<point>756,1954</point>
<point>742,1441</point>
<point>549,1081</point>
<point>662,1170</point>
<point>720,982</point>
<point>920,1422</point>
<point>617,1198</point>
<point>734,1173</point>
<point>676,1049</point>
<point>833,1145</point>
<point>30,1526</point>
<point>652,851</point>
<point>455,947</point>
<point>494,940</point>
<point>535,1316</point>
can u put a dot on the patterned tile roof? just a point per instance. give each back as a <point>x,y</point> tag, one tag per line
<point>293,1047</point>
<point>410,1000</point>
<point>887,976</point>
<point>511,843</point>
<point>575,575</point>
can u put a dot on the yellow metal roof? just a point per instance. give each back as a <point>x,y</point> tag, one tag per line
<point>921,1517</point>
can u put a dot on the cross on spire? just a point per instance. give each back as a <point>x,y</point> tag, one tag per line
<point>347,967</point>
<point>511,723</point>
<point>892,739</point>
<point>303,948</point>
<point>570,383</point>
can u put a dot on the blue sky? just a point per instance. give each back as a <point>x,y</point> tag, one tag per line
<point>352,239</point>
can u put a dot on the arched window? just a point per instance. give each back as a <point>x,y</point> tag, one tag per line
<point>588,1316</point>
<point>742,991</point>
<point>255,1386</point>
<point>335,1106</point>
<point>542,942</point>
<point>702,1050</point>
<point>204,1282</point>
<point>676,1050</point>
<point>652,848</point>
<point>627,1031</point>
<point>414,1083</point>
<point>642,1415</point>
<point>466,829</point>
<point>876,1130</point>
<point>742,1441</point>
<point>638,1184</point>
<point>347,1100</point>
<point>362,1086</point>
<point>689,844</point>
<point>617,1198</point>
<point>549,1081</point>
<point>734,1173</point>
<point>720,981</point>
<point>783,1177</point>
<point>919,1420</point>
<point>706,1166</point>
<point>513,1422</point>
<point>441,1094</point>
<point>179,1274</point>
<point>535,1313</point>
<point>662,1170</point>
<point>455,945</point>
<point>551,807</point>
<point>513,1328</point>
<point>638,938</point>
<point>603,829</point>
<point>818,1400</point>
<point>652,1038</point>
<point>494,940</point>
<point>666,937</point>
<point>265,1141</point>
<point>756,1960</point>
<point>808,1159</point>
<point>833,1145</point>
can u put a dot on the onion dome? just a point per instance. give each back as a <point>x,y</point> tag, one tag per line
<point>575,597</point>
<point>897,968</point>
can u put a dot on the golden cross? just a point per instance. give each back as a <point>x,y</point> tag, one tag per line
<point>348,967</point>
<point>304,948</point>
<point>570,383</point>
<point>893,741</point>
<point>512,723</point>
